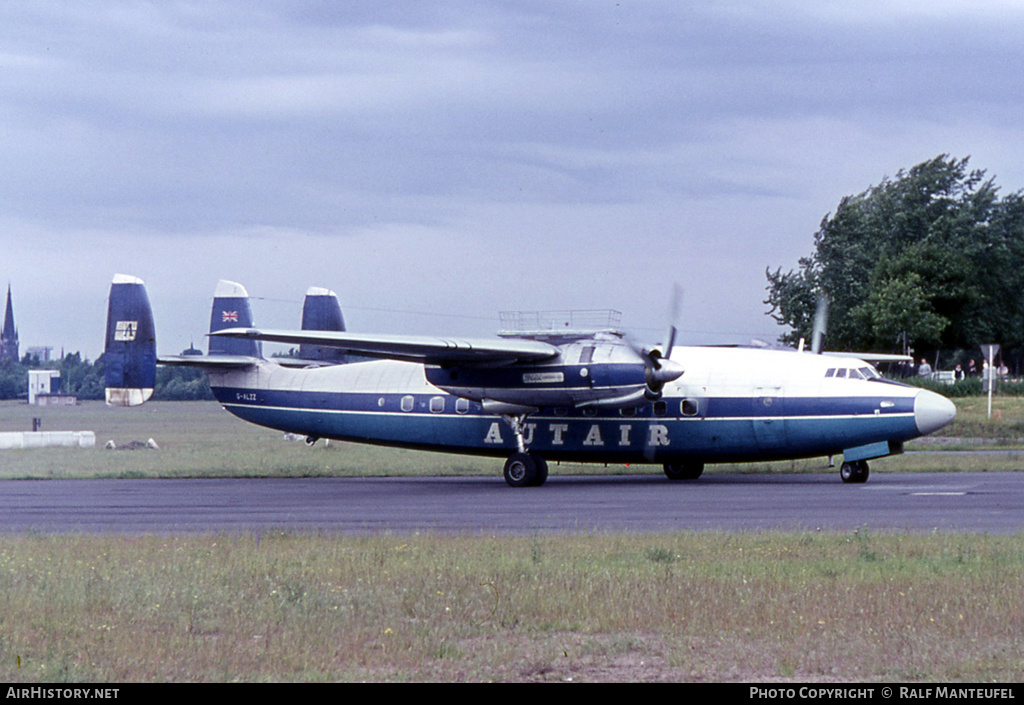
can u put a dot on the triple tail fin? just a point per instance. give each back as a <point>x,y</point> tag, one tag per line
<point>321,311</point>
<point>231,310</point>
<point>130,351</point>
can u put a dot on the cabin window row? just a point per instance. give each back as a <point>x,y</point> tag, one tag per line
<point>437,405</point>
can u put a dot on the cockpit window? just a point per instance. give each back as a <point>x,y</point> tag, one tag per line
<point>851,373</point>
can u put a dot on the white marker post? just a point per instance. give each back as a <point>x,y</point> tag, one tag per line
<point>989,375</point>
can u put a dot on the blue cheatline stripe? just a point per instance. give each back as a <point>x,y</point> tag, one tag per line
<point>378,418</point>
<point>709,408</point>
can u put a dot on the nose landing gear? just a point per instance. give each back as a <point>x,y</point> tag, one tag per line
<point>854,472</point>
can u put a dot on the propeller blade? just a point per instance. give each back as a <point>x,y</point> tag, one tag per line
<point>673,316</point>
<point>660,370</point>
<point>670,341</point>
<point>820,324</point>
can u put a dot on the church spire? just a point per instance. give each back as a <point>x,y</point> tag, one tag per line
<point>9,334</point>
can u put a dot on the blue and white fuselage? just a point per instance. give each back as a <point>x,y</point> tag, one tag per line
<point>572,396</point>
<point>732,404</point>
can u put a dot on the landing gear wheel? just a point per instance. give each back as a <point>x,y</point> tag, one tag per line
<point>542,471</point>
<point>684,471</point>
<point>525,470</point>
<point>854,472</point>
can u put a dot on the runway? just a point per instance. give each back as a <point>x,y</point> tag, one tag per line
<point>990,503</point>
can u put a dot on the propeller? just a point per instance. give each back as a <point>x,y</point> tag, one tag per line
<point>658,368</point>
<point>820,324</point>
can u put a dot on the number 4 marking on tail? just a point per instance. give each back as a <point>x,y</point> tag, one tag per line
<point>126,330</point>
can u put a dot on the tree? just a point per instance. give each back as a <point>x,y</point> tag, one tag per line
<point>81,377</point>
<point>86,380</point>
<point>898,311</point>
<point>181,384</point>
<point>931,258</point>
<point>13,380</point>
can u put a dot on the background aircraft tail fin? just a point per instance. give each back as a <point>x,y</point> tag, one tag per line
<point>130,351</point>
<point>231,310</point>
<point>321,311</point>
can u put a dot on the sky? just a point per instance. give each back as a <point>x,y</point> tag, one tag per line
<point>435,163</point>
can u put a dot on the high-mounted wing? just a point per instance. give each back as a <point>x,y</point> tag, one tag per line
<point>424,349</point>
<point>224,362</point>
<point>871,357</point>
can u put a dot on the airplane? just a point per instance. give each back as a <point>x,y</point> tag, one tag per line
<point>558,393</point>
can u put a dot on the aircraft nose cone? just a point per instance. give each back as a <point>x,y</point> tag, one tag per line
<point>932,411</point>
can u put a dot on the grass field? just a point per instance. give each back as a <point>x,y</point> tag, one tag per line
<point>700,607</point>
<point>318,607</point>
<point>1006,423</point>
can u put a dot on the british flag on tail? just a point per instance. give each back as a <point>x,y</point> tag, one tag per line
<point>231,310</point>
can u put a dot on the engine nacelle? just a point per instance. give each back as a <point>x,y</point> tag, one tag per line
<point>585,374</point>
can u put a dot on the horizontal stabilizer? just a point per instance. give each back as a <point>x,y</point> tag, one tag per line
<point>130,351</point>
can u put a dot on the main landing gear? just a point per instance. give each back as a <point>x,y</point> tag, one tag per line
<point>523,468</point>
<point>857,471</point>
<point>526,470</point>
<point>684,471</point>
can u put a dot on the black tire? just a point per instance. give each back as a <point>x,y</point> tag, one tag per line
<point>525,470</point>
<point>542,471</point>
<point>855,472</point>
<point>684,471</point>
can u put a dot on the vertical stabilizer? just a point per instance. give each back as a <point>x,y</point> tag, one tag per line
<point>130,351</point>
<point>321,311</point>
<point>231,310</point>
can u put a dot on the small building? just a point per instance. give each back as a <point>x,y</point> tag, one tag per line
<point>42,353</point>
<point>44,389</point>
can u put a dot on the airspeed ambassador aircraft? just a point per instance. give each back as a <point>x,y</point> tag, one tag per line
<point>531,395</point>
